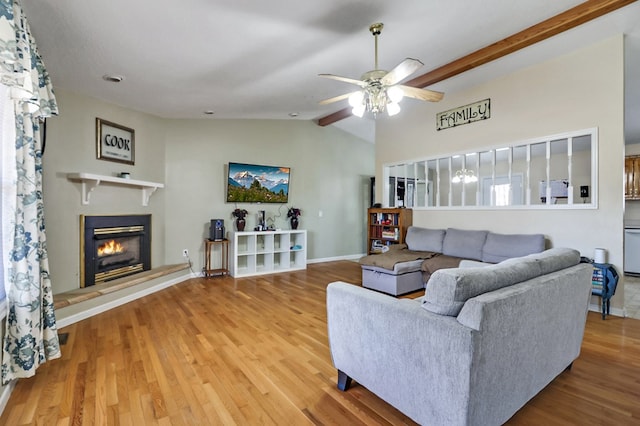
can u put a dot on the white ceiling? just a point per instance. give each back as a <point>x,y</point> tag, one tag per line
<point>260,59</point>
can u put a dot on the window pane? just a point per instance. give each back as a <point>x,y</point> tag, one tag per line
<point>546,172</point>
<point>432,182</point>
<point>457,184</point>
<point>486,177</point>
<point>538,170</point>
<point>471,186</point>
<point>519,181</point>
<point>559,171</point>
<point>581,168</point>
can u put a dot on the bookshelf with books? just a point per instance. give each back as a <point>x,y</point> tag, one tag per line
<point>387,226</point>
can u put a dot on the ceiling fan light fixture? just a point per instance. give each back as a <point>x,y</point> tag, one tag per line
<point>381,90</point>
<point>358,110</point>
<point>356,99</point>
<point>395,94</point>
<point>393,108</point>
<point>464,176</point>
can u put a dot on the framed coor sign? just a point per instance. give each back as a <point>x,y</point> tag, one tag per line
<point>115,142</point>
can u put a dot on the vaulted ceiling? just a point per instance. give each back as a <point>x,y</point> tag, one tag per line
<point>250,59</point>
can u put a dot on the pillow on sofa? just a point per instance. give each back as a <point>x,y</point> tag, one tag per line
<point>448,289</point>
<point>466,263</point>
<point>464,243</point>
<point>440,261</point>
<point>551,260</point>
<point>499,247</point>
<point>423,239</point>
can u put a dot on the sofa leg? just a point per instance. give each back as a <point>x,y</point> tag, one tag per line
<point>569,367</point>
<point>344,381</point>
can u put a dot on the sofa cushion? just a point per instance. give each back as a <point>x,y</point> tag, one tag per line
<point>398,269</point>
<point>393,257</point>
<point>464,243</point>
<point>550,260</point>
<point>442,261</point>
<point>424,239</point>
<point>499,247</point>
<point>466,263</point>
<point>449,289</point>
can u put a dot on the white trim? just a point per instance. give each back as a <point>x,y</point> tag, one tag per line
<point>613,311</point>
<point>592,132</point>
<point>90,182</point>
<point>335,258</point>
<point>72,319</point>
<point>6,394</point>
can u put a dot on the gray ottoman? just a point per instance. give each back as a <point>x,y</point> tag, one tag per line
<point>404,278</point>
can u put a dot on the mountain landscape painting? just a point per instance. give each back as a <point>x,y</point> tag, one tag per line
<point>252,183</point>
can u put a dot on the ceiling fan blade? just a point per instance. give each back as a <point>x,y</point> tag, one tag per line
<point>344,79</point>
<point>422,94</point>
<point>403,70</point>
<point>335,99</point>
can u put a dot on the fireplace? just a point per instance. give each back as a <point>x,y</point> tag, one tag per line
<point>113,247</point>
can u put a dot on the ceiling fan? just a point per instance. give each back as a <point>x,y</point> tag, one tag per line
<point>380,89</point>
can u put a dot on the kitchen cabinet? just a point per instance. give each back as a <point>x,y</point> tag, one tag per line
<point>632,177</point>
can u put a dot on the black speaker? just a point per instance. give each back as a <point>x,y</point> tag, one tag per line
<point>216,230</point>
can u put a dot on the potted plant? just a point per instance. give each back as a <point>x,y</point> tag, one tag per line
<point>240,214</point>
<point>293,214</point>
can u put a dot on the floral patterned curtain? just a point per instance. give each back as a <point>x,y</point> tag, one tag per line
<point>30,336</point>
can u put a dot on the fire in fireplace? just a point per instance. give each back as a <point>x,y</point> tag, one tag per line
<point>114,247</point>
<point>110,248</point>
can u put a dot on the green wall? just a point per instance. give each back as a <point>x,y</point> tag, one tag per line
<point>330,171</point>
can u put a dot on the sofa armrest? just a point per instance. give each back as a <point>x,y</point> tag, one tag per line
<point>531,332</point>
<point>416,360</point>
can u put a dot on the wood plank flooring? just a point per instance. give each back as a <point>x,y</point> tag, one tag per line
<point>251,351</point>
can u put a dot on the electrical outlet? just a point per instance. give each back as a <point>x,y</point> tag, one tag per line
<point>185,253</point>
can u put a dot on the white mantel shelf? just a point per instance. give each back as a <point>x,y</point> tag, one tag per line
<point>90,182</point>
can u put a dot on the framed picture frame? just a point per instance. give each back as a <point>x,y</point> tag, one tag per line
<point>115,142</point>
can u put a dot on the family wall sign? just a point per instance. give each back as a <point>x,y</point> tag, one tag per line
<point>476,111</point>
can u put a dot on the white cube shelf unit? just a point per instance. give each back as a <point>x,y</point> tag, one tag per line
<point>268,252</point>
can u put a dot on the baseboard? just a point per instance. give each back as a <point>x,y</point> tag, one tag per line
<point>333,259</point>
<point>6,394</point>
<point>613,311</point>
<point>63,320</point>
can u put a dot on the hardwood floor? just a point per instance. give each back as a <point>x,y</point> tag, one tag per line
<point>254,351</point>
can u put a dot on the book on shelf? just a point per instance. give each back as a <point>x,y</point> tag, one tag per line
<point>386,219</point>
<point>390,234</point>
<point>597,279</point>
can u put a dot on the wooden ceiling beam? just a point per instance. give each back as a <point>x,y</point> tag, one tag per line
<point>571,18</point>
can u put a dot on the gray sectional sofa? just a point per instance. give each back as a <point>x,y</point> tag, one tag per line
<point>480,343</point>
<point>407,267</point>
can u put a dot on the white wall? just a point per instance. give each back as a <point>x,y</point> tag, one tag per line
<point>580,90</point>
<point>330,170</point>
